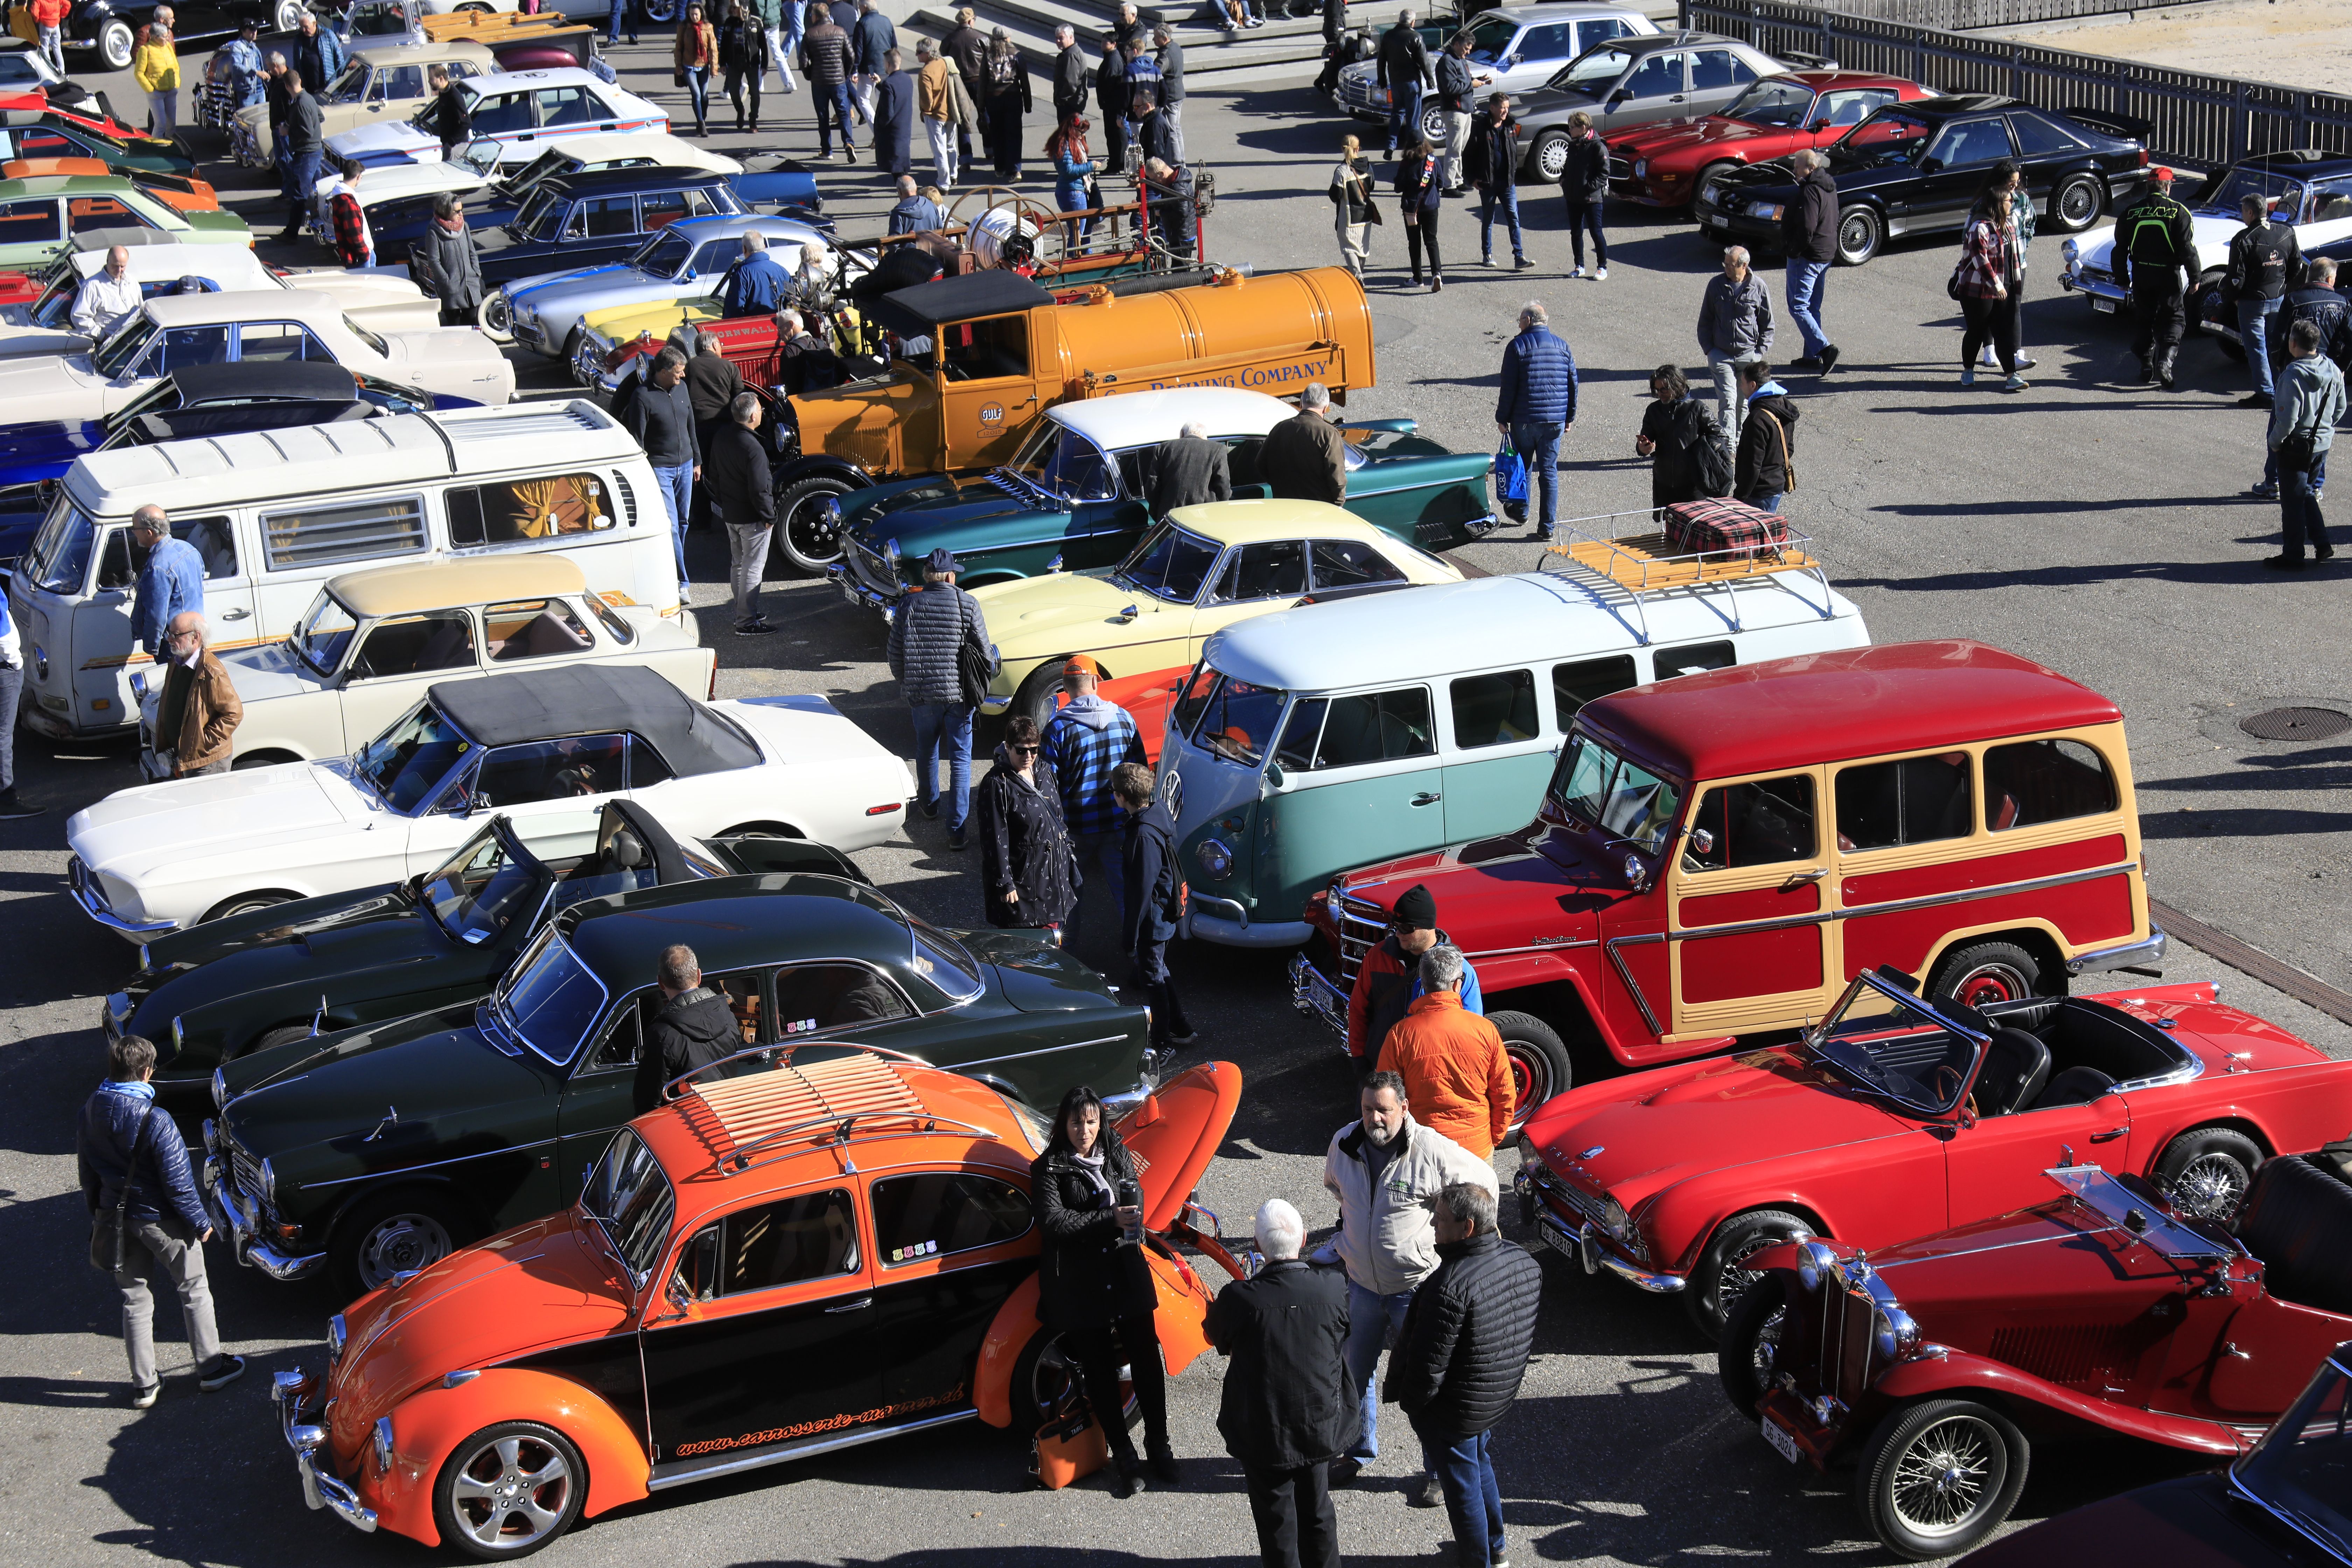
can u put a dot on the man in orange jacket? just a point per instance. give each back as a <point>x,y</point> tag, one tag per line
<point>1456,1076</point>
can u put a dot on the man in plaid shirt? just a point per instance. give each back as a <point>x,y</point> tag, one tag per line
<point>354,245</point>
<point>1088,739</point>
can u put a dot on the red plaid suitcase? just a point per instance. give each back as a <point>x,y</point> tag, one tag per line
<point>1718,526</point>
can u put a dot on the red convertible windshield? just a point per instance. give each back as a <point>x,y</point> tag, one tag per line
<point>1890,1042</point>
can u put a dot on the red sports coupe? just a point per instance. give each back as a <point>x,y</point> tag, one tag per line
<point>1663,164</point>
<point>1901,1115</point>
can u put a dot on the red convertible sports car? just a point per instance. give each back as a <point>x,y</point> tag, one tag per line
<point>1663,164</point>
<point>1899,1116</point>
<point>1930,1362</point>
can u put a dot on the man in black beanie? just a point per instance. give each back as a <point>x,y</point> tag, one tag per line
<point>1389,980</point>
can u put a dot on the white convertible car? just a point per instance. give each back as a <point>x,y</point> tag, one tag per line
<point>372,643</point>
<point>162,856</point>
<point>173,331</point>
<point>382,301</point>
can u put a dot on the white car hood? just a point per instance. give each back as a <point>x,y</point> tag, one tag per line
<point>254,812</point>
<point>49,389</point>
<point>39,342</point>
<point>458,360</point>
<point>399,181</point>
<point>261,674</point>
<point>2212,231</point>
<point>393,136</point>
<point>794,730</point>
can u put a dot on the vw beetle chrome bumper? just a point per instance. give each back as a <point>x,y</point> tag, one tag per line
<point>2130,956</point>
<point>290,1391</point>
<point>240,1215</point>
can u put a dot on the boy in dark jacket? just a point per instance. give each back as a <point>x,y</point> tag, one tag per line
<point>126,1138</point>
<point>1286,1412</point>
<point>1584,188</point>
<point>1492,166</point>
<point>1459,1360</point>
<point>1155,901</point>
<point>693,1028</point>
<point>1764,469</point>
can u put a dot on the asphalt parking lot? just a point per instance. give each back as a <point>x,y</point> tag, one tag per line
<point>2087,524</point>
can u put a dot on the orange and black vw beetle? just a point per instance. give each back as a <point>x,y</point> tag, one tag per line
<point>768,1268</point>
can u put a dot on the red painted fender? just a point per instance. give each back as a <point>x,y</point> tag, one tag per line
<point>1959,1373</point>
<point>428,1427</point>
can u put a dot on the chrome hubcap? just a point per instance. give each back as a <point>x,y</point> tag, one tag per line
<point>2210,1187</point>
<point>511,1492</point>
<point>812,536</point>
<point>1946,1477</point>
<point>401,1245</point>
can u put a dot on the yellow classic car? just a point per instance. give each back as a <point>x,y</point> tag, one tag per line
<point>1201,570</point>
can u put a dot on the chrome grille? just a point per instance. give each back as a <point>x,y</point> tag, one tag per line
<point>1360,924</point>
<point>1359,91</point>
<point>1620,168</point>
<point>869,565</point>
<point>1591,1205</point>
<point>243,1169</point>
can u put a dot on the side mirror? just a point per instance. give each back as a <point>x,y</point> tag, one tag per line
<point>1702,841</point>
<point>1274,776</point>
<point>1619,96</point>
<point>1929,166</point>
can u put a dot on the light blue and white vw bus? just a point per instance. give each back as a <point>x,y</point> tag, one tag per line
<point>1315,740</point>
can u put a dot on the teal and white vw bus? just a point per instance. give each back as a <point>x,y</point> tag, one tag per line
<point>1315,740</point>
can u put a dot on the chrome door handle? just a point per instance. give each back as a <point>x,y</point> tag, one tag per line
<point>2111,1134</point>
<point>234,615</point>
<point>862,1302</point>
<point>1813,875</point>
<point>1427,798</point>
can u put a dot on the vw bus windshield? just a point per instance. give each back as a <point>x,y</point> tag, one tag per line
<point>1236,721</point>
<point>2302,1469</point>
<point>1885,1039</point>
<point>1597,787</point>
<point>1169,563</point>
<point>59,560</point>
<point>629,1197</point>
<point>323,635</point>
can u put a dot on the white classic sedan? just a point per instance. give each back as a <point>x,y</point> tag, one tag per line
<point>380,301</point>
<point>174,332</point>
<point>521,110</point>
<point>163,856</point>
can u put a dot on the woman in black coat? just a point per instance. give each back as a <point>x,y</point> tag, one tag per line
<point>1672,428</point>
<point>1008,100</point>
<point>1418,187</point>
<point>1093,1289</point>
<point>1027,864</point>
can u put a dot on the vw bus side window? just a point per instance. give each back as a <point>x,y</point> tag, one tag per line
<point>114,567</point>
<point>514,511</point>
<point>215,540</point>
<point>1495,710</point>
<point>1377,727</point>
<point>1915,800</point>
<point>1761,823</point>
<point>1296,752</point>
<point>2035,782</point>
<point>332,535</point>
<point>1670,662</point>
<point>1574,685</point>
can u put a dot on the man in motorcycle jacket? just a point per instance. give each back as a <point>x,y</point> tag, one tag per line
<point>2154,244</point>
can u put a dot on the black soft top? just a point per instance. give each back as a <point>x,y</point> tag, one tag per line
<point>308,379</point>
<point>581,699</point>
<point>242,418</point>
<point>926,305</point>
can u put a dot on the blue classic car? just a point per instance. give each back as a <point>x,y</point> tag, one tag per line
<point>1077,495</point>
<point>582,220</point>
<point>685,260</point>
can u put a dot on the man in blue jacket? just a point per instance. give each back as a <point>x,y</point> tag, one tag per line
<point>758,285</point>
<point>1155,901</point>
<point>172,581</point>
<point>1538,404</point>
<point>126,1139</point>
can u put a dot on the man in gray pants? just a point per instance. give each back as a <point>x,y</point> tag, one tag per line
<point>736,468</point>
<point>125,1137</point>
<point>1735,326</point>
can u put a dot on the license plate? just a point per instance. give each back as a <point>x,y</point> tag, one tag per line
<point>1565,1244</point>
<point>848,593</point>
<point>1780,1440</point>
<point>2105,307</point>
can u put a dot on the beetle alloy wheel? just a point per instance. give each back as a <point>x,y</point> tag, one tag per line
<point>511,1493</point>
<point>400,1244</point>
<point>1947,1476</point>
<point>2210,1186</point>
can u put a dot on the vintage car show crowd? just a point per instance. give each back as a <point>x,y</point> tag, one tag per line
<point>492,974</point>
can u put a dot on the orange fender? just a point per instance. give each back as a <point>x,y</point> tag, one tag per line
<point>1183,1305</point>
<point>428,1427</point>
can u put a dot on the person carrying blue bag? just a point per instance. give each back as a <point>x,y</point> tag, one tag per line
<point>1534,407</point>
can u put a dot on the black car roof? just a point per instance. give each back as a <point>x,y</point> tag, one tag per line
<point>992,292</point>
<point>591,699</point>
<point>243,419</point>
<point>658,176</point>
<point>2303,163</point>
<point>316,380</point>
<point>737,922</point>
<point>1956,103</point>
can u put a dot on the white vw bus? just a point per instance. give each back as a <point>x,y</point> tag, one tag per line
<point>277,513</point>
<point>1319,739</point>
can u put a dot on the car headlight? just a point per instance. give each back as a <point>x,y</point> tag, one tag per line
<point>1640,168</point>
<point>1897,1335</point>
<point>2069,250</point>
<point>890,555</point>
<point>1617,1222</point>
<point>269,1184</point>
<point>1814,1264</point>
<point>379,1444</point>
<point>1217,859</point>
<point>338,1332</point>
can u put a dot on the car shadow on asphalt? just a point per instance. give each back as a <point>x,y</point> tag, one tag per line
<point>2247,571</point>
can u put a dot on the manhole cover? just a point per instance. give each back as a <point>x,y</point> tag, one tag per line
<point>2297,724</point>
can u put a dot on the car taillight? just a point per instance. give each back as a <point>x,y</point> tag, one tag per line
<point>885,809</point>
<point>712,695</point>
<point>2143,157</point>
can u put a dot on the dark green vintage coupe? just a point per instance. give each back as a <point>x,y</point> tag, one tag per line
<point>375,1151</point>
<point>1078,494</point>
<point>211,993</point>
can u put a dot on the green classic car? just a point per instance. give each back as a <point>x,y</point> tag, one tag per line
<point>39,217</point>
<point>210,992</point>
<point>1077,495</point>
<point>374,1151</point>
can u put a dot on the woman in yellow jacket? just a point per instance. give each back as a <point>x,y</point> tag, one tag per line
<point>156,65</point>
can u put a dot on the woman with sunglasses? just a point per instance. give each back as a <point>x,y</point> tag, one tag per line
<point>1028,868</point>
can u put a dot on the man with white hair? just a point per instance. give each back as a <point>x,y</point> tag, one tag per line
<point>1189,471</point>
<point>1535,406</point>
<point>1069,75</point>
<point>1735,325</point>
<point>1285,1412</point>
<point>1305,457</point>
<point>171,578</point>
<point>757,285</point>
<point>198,711</point>
<point>1809,239</point>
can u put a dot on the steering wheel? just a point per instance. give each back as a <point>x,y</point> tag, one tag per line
<point>1944,1071</point>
